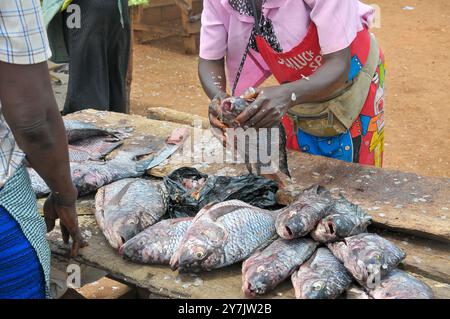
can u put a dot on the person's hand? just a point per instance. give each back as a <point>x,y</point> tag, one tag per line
<point>62,207</point>
<point>269,107</point>
<point>217,127</point>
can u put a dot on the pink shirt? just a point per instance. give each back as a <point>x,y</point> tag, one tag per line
<point>225,32</point>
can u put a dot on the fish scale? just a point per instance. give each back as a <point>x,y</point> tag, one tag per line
<point>240,223</point>
<point>156,244</point>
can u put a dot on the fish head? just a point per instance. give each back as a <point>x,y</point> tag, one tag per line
<point>257,280</point>
<point>121,229</point>
<point>326,230</point>
<point>289,224</point>
<point>314,289</point>
<point>202,249</point>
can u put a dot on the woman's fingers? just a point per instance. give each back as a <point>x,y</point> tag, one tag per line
<point>249,112</point>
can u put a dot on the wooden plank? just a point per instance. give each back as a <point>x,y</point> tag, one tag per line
<point>166,114</point>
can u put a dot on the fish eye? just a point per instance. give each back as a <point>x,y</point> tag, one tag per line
<point>131,222</point>
<point>318,285</point>
<point>199,254</point>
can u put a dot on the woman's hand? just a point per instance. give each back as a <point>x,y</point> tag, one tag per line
<point>269,107</point>
<point>63,207</point>
<point>217,127</point>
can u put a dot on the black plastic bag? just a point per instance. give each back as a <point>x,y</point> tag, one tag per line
<point>190,190</point>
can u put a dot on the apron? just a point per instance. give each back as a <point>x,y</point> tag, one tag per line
<point>364,141</point>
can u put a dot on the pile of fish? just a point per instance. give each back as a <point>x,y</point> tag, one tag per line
<point>88,147</point>
<point>320,242</point>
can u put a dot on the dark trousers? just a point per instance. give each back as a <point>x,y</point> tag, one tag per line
<point>99,53</point>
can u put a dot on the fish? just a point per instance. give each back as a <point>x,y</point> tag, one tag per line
<point>229,110</point>
<point>92,148</point>
<point>321,277</point>
<point>398,284</point>
<point>88,176</point>
<point>356,292</point>
<point>344,220</point>
<point>156,244</point>
<point>368,257</point>
<point>302,216</point>
<point>223,234</point>
<point>266,269</point>
<point>125,208</point>
<point>77,130</point>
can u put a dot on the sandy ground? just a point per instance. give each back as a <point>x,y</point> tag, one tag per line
<point>417,48</point>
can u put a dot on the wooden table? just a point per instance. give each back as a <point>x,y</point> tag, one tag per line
<point>408,209</point>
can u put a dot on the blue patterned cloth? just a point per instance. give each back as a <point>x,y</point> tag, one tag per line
<point>28,246</point>
<point>21,275</point>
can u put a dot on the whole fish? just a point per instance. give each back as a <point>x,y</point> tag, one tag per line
<point>224,234</point>
<point>401,285</point>
<point>302,216</point>
<point>266,269</point>
<point>92,148</point>
<point>77,130</point>
<point>344,220</point>
<point>229,110</point>
<point>321,277</point>
<point>368,257</point>
<point>125,208</point>
<point>89,176</point>
<point>156,244</point>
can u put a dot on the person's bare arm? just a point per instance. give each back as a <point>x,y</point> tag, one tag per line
<point>30,109</point>
<point>213,79</point>
<point>272,103</point>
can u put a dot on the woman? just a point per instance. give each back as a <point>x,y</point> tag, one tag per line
<point>330,70</point>
<point>98,47</point>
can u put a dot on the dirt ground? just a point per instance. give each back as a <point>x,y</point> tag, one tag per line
<point>417,47</point>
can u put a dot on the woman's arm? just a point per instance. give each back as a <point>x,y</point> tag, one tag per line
<point>213,79</point>
<point>272,103</point>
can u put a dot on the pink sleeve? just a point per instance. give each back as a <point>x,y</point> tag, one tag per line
<point>337,21</point>
<point>213,34</point>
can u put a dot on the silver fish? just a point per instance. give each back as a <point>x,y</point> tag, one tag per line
<point>368,257</point>
<point>266,269</point>
<point>303,215</point>
<point>125,208</point>
<point>224,234</point>
<point>401,285</point>
<point>321,277</point>
<point>156,244</point>
<point>92,148</point>
<point>344,220</point>
<point>77,130</point>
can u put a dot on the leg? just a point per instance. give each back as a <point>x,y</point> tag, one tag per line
<point>88,75</point>
<point>21,275</point>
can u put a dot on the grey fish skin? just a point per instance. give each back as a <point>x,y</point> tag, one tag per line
<point>89,176</point>
<point>368,257</point>
<point>300,218</point>
<point>321,277</point>
<point>344,220</point>
<point>265,270</point>
<point>92,148</point>
<point>77,130</point>
<point>401,285</point>
<point>224,234</point>
<point>156,244</point>
<point>125,208</point>
<point>230,109</point>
